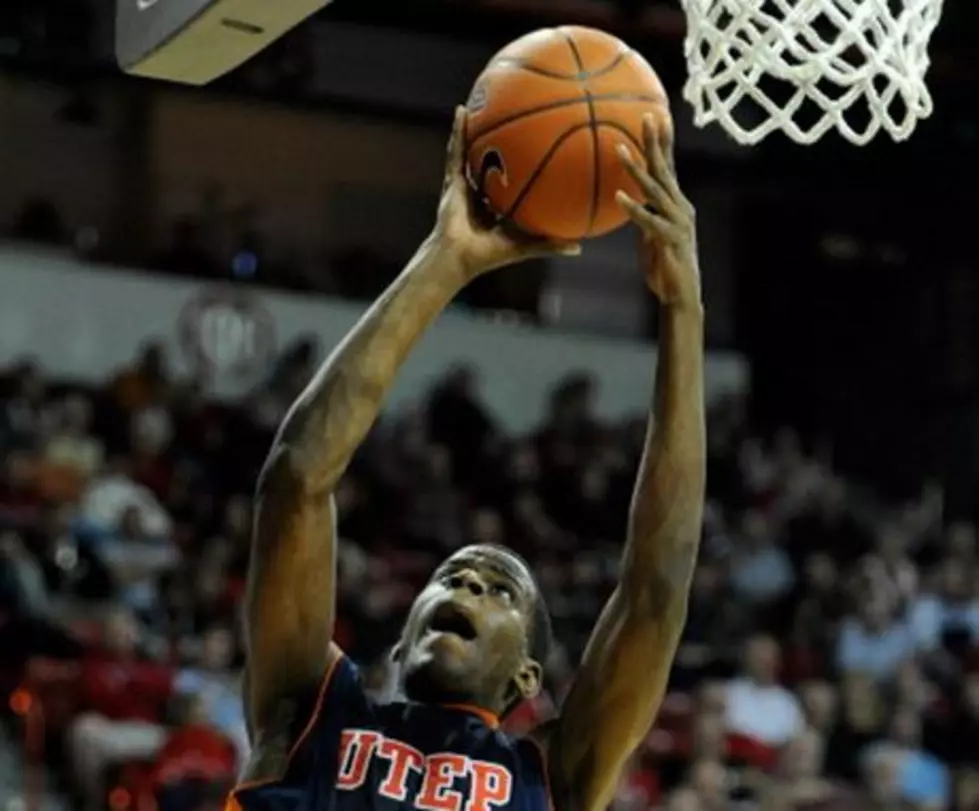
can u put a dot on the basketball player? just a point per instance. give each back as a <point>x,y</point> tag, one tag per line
<point>475,640</point>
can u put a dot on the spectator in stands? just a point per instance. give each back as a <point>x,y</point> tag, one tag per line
<point>639,788</point>
<point>756,477</point>
<point>801,478</point>
<point>715,630</point>
<point>210,594</point>
<point>799,785</point>
<point>820,702</point>
<point>912,690</point>
<point>23,409</point>
<point>947,616</point>
<point>458,421</point>
<point>71,442</point>
<point>864,706</point>
<point>922,779</point>
<point>761,571</point>
<point>195,762</point>
<point>875,641</point>
<point>570,421</point>
<point>820,706</point>
<point>30,622</point>
<point>109,496</point>
<point>136,560</point>
<point>817,610</point>
<point>958,742</point>
<point>960,543</point>
<point>709,781</point>
<point>145,382</point>
<point>827,524</point>
<point>891,568</point>
<point>124,697</point>
<point>967,791</point>
<point>217,688</point>
<point>24,589</point>
<point>435,515</point>
<point>150,434</point>
<point>880,769</point>
<point>709,737</point>
<point>20,503</point>
<point>684,799</point>
<point>757,706</point>
<point>183,484</point>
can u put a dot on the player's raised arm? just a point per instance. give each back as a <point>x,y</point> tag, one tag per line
<point>623,675</point>
<point>290,602</point>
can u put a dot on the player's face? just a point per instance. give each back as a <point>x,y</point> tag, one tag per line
<point>467,637</point>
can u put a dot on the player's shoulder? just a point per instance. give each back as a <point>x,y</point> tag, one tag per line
<point>296,722</point>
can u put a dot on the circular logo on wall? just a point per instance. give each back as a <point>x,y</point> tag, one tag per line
<point>225,332</point>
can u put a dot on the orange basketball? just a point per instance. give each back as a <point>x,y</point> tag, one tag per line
<point>543,123</point>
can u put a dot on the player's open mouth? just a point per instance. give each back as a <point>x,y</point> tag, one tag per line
<point>451,619</point>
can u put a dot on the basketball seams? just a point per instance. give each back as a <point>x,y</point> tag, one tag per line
<point>583,72</point>
<point>617,60</point>
<point>596,158</point>
<point>518,64</point>
<point>615,125</point>
<point>541,166</point>
<point>625,98</point>
<point>596,165</point>
<point>554,186</point>
<point>528,67</point>
<point>575,54</point>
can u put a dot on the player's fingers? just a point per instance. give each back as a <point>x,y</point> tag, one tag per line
<point>655,194</point>
<point>648,138</point>
<point>659,153</point>
<point>455,157</point>
<point>653,135</point>
<point>652,224</point>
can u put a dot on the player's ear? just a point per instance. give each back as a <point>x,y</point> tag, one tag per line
<point>529,679</point>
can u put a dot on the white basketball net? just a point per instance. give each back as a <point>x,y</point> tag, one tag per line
<point>823,58</point>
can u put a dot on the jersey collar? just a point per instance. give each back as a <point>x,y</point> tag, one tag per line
<point>491,719</point>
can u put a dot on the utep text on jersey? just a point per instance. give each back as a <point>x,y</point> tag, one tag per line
<point>356,754</point>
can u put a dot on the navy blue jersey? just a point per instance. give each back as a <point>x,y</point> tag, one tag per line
<point>356,754</point>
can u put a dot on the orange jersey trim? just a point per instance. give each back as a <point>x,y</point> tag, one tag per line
<point>232,803</point>
<point>491,719</point>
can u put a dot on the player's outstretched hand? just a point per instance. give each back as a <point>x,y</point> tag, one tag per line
<point>666,219</point>
<point>480,241</point>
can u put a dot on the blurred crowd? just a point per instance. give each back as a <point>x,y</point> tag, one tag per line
<point>827,660</point>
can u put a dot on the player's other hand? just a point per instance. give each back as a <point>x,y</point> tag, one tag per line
<point>473,234</point>
<point>665,218</point>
